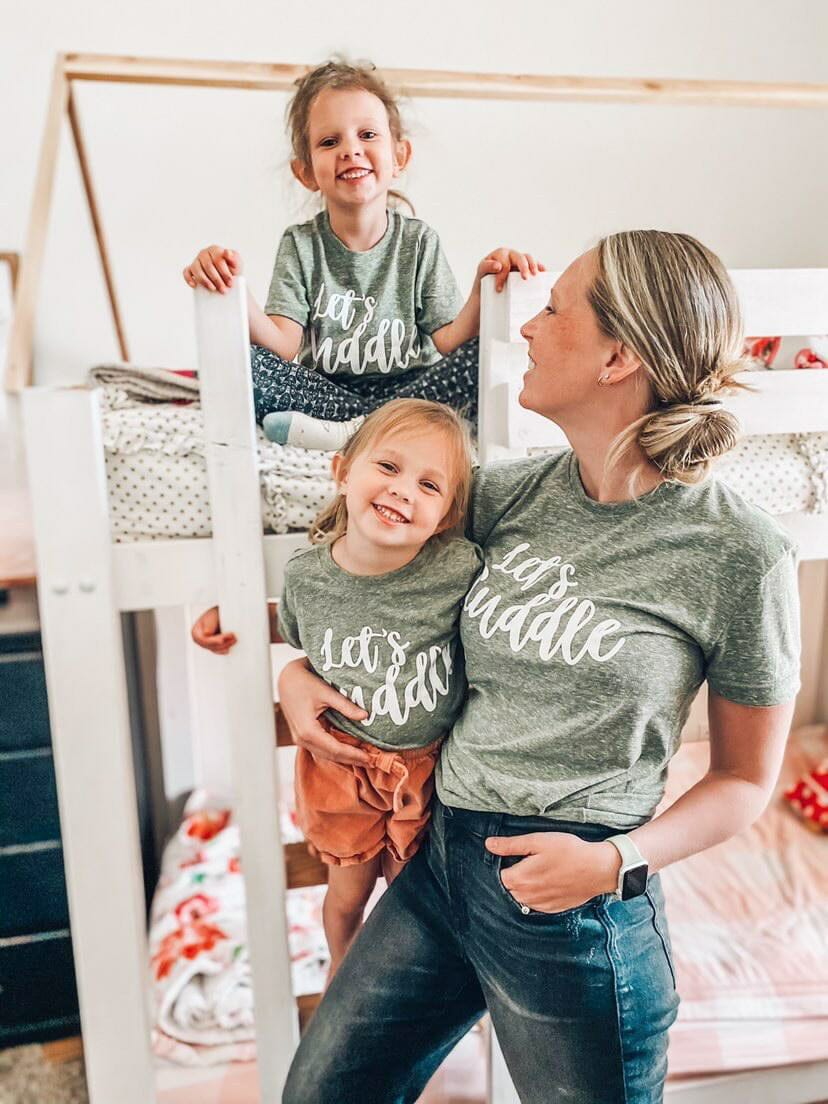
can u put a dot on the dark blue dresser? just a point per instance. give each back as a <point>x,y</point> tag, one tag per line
<point>38,999</point>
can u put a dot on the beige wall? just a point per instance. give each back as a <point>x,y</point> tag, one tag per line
<point>177,169</point>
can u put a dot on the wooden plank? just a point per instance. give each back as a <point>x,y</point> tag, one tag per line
<point>151,574</point>
<point>302,868</point>
<point>779,402</point>
<point>453,84</point>
<point>283,736</point>
<point>232,466</point>
<point>18,373</point>
<point>307,1005</point>
<point>63,1050</point>
<point>86,681</point>
<point>97,224</point>
<point>776,302</point>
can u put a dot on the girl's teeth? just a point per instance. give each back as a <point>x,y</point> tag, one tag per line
<point>389,514</point>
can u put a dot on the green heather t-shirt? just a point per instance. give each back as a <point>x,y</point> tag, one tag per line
<point>592,626</point>
<point>388,642</point>
<point>364,313</point>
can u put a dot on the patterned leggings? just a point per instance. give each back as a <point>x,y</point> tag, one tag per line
<point>279,385</point>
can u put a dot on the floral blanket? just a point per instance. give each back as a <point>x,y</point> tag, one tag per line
<point>200,971</point>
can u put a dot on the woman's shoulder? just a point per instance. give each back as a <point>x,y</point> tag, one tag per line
<point>503,484</point>
<point>753,537</point>
<point>505,477</point>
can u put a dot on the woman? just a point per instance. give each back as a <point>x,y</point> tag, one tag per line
<point>616,582</point>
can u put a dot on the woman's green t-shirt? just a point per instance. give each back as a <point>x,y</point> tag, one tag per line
<point>591,628</point>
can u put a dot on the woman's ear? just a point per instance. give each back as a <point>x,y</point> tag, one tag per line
<point>620,364</point>
<point>304,174</point>
<point>402,155</point>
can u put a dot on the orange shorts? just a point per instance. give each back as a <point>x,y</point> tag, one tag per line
<point>350,812</point>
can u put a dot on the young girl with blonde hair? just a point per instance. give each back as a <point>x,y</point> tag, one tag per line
<point>363,306</point>
<point>375,605</point>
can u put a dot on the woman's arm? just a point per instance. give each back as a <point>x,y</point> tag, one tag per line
<point>499,263</point>
<point>746,748</point>
<point>304,697</point>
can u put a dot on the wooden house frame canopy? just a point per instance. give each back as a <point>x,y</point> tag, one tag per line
<point>281,77</point>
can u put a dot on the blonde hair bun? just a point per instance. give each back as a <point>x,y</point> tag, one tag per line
<point>671,301</point>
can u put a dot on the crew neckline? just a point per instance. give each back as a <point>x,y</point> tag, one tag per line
<point>333,568</point>
<point>658,494</point>
<point>329,232</point>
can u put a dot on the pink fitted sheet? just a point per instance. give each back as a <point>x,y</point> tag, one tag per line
<point>749,926</point>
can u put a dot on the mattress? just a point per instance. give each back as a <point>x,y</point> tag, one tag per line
<point>749,926</point>
<point>157,476</point>
<point>157,473</point>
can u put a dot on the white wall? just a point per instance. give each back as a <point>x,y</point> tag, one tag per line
<point>178,168</point>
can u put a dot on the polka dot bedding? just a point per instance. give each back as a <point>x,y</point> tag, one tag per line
<point>157,474</point>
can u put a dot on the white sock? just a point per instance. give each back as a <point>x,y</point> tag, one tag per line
<point>289,427</point>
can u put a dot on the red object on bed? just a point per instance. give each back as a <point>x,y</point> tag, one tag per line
<point>808,797</point>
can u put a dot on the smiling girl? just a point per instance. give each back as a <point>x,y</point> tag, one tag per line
<point>363,306</point>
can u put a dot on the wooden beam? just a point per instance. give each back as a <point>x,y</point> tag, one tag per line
<point>301,868</point>
<point>97,224</point>
<point>19,360</point>
<point>452,84</point>
<point>13,261</point>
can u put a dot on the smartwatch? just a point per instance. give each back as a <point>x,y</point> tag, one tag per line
<point>632,877</point>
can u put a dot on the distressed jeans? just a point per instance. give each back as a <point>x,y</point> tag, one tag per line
<point>581,1000</point>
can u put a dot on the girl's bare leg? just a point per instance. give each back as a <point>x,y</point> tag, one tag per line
<point>391,867</point>
<point>349,888</point>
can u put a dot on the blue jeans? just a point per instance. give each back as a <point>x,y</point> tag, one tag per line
<point>581,1000</point>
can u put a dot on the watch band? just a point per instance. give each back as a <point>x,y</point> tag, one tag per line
<point>632,861</point>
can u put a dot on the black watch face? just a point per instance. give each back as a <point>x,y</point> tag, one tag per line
<point>635,882</point>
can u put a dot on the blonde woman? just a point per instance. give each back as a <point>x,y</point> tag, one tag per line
<point>616,581</point>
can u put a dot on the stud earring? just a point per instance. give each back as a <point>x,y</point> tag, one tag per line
<point>603,380</point>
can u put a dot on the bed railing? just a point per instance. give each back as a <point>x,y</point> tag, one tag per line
<point>781,302</point>
<point>81,592</point>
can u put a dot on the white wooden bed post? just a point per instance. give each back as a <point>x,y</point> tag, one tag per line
<point>232,466</point>
<point>83,653</point>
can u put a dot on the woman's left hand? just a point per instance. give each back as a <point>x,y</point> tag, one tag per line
<point>559,871</point>
<point>500,262</point>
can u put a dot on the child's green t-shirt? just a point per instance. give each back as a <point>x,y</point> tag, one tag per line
<point>364,313</point>
<point>388,642</point>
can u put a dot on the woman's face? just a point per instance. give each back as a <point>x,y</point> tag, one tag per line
<point>568,353</point>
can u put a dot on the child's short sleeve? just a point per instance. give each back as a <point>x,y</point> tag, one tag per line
<point>438,299</point>
<point>756,659</point>
<point>288,625</point>
<point>288,295</point>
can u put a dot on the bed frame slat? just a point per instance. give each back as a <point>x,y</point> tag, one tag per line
<point>86,682</point>
<point>232,468</point>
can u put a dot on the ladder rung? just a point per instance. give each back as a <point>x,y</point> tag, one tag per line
<point>283,737</point>
<point>301,868</point>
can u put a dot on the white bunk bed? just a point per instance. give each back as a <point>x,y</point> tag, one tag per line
<point>86,581</point>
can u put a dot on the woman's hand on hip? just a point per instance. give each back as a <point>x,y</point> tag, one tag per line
<point>560,871</point>
<point>500,262</point>
<point>304,697</point>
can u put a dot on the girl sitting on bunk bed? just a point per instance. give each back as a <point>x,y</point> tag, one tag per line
<point>375,605</point>
<point>363,306</point>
